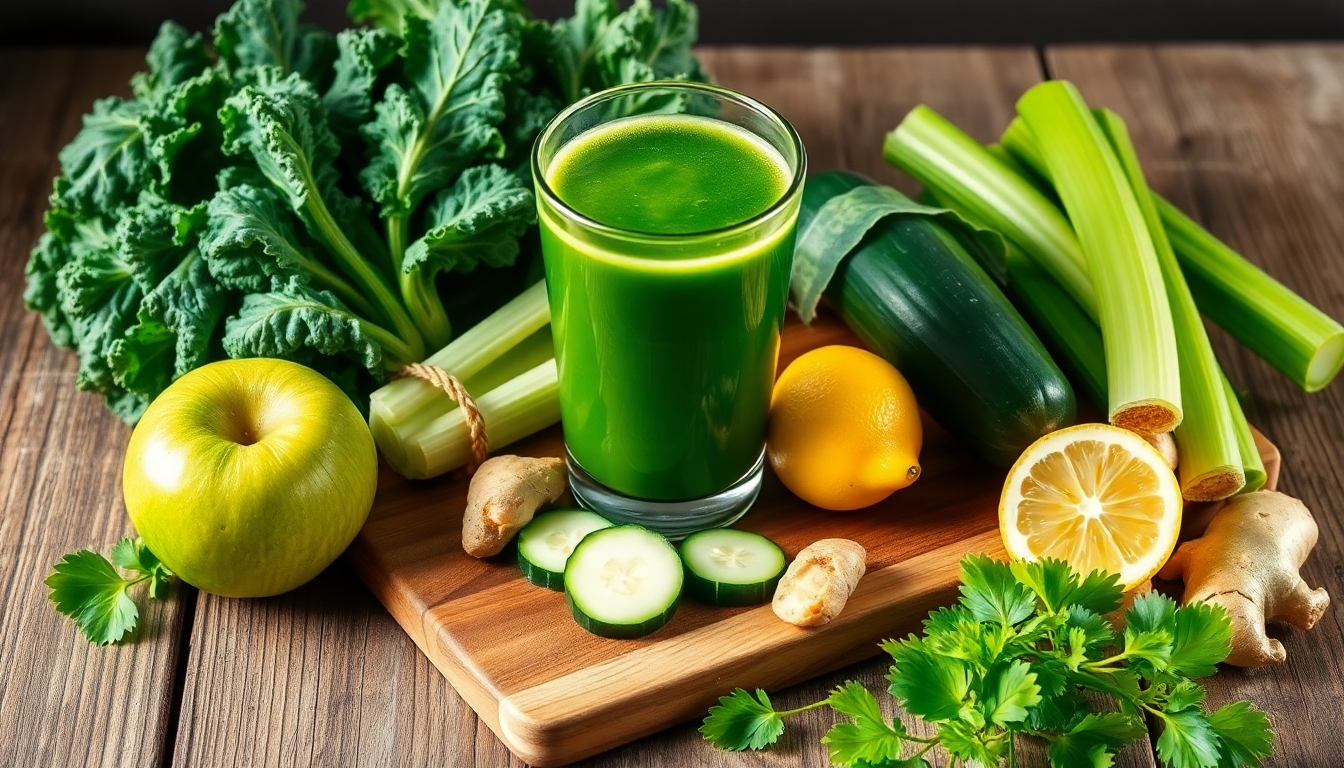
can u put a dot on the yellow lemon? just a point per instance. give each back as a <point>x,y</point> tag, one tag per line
<point>844,429</point>
<point>1095,496</point>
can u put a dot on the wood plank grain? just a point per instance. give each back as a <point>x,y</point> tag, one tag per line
<point>1247,140</point>
<point>62,701</point>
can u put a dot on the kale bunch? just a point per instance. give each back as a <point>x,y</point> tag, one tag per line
<point>279,191</point>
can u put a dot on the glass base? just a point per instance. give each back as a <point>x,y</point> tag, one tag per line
<point>674,519</point>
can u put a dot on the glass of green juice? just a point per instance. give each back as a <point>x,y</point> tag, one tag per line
<point>667,215</point>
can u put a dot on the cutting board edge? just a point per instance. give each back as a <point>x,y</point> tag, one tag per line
<point>547,736</point>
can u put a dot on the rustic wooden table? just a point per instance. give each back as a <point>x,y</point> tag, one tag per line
<point>1249,139</point>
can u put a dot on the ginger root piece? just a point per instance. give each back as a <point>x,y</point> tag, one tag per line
<point>504,494</point>
<point>819,581</point>
<point>1248,561</point>
<point>1165,445</point>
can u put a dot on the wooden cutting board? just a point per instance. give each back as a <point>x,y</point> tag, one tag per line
<point>555,694</point>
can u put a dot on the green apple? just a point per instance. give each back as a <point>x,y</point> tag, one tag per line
<point>248,477</point>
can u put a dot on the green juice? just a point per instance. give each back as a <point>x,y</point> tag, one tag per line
<point>667,331</point>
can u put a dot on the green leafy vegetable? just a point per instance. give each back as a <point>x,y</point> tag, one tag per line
<point>290,192</point>
<point>88,588</point>
<point>1011,661</point>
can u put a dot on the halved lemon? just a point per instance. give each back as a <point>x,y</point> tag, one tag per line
<point>1095,496</point>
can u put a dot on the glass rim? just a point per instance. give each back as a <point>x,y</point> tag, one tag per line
<point>771,114</point>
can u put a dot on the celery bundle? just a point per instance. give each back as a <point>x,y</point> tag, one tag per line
<point>506,362</point>
<point>1115,277</point>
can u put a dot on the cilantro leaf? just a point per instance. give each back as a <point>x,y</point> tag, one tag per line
<point>1096,629</point>
<point>1202,638</point>
<point>1187,740</point>
<point>964,740</point>
<point>1246,739</point>
<point>867,740</point>
<point>1099,592</point>
<point>926,684</point>
<point>1184,695</point>
<point>1093,740</point>
<point>88,589</point>
<point>991,592</point>
<point>1010,692</point>
<point>133,555</point>
<point>1050,578</point>
<point>1150,613</point>
<point>741,721</point>
<point>1152,647</point>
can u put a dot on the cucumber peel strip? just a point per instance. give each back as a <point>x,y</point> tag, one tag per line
<point>841,224</point>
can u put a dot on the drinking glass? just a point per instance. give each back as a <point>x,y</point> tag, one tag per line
<point>666,343</point>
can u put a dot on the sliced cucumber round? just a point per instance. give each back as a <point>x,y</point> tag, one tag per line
<point>623,582</point>
<point>725,566</point>
<point>546,543</point>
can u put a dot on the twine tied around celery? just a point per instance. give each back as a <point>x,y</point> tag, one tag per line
<point>448,383</point>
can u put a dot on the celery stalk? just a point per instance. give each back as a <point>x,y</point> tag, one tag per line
<point>1020,145</point>
<point>970,178</point>
<point>392,438</point>
<point>1210,460</point>
<point>1142,366</point>
<point>468,353</point>
<point>526,404</point>
<point>1251,462</point>
<point>1291,334</point>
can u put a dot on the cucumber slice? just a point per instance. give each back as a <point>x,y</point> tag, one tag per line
<point>725,566</point>
<point>546,543</point>
<point>623,582</point>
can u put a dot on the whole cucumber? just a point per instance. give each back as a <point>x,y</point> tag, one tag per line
<point>915,296</point>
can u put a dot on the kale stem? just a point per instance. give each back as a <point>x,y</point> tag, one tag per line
<point>397,234</point>
<point>371,280</point>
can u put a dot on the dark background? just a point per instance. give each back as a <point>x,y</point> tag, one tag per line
<point>779,22</point>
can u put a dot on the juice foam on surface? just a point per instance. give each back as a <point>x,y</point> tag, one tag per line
<point>668,174</point>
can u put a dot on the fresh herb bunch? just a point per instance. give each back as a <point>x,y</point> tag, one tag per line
<point>284,192</point>
<point>89,589</point>
<point>1015,658</point>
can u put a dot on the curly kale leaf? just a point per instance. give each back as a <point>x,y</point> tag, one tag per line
<point>294,320</point>
<point>447,115</point>
<point>108,162</point>
<point>600,47</point>
<point>363,53</point>
<point>478,220</point>
<point>182,305</point>
<point>256,34</point>
<point>174,57</point>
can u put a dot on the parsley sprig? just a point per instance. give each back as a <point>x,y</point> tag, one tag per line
<point>1015,657</point>
<point>89,589</point>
